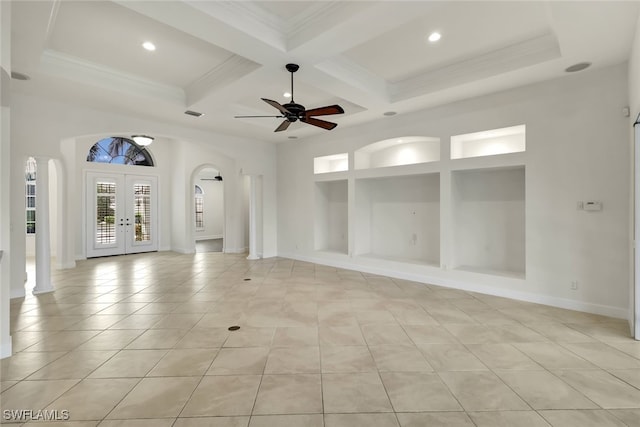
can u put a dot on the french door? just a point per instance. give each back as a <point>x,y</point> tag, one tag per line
<point>122,214</point>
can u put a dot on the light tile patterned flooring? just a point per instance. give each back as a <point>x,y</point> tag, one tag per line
<point>142,340</point>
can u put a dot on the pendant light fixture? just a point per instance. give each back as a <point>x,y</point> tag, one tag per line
<point>142,140</point>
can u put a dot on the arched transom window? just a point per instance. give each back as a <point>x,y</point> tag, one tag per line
<point>120,151</point>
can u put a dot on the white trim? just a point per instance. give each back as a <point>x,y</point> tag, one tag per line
<point>65,265</point>
<point>605,310</point>
<point>76,69</point>
<point>518,55</point>
<point>209,237</point>
<point>243,250</point>
<point>17,293</point>
<point>635,315</point>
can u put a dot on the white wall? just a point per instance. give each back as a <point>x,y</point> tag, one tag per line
<point>331,216</point>
<point>400,217</point>
<point>634,107</point>
<point>577,149</point>
<point>65,132</point>
<point>489,220</point>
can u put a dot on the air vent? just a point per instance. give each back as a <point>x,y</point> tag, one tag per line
<point>193,113</point>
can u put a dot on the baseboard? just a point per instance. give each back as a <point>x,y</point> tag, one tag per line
<point>214,236</point>
<point>17,293</point>
<point>184,250</point>
<point>66,265</point>
<point>604,310</point>
<point>236,250</point>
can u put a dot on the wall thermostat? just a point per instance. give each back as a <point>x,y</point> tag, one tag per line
<point>592,205</point>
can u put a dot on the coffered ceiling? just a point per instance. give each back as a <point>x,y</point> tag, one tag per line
<point>221,57</point>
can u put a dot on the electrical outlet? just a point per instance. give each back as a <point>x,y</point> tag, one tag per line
<point>414,238</point>
<point>574,285</point>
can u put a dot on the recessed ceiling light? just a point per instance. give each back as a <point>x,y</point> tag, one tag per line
<point>19,76</point>
<point>578,67</point>
<point>389,113</point>
<point>292,137</point>
<point>193,113</point>
<point>149,46</point>
<point>434,37</point>
<point>287,94</point>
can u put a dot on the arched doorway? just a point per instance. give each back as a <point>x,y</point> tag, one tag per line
<point>208,210</point>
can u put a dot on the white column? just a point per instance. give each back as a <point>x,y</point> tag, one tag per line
<point>5,178</point>
<point>43,244</point>
<point>253,246</point>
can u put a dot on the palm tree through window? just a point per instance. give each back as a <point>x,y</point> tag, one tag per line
<point>118,150</point>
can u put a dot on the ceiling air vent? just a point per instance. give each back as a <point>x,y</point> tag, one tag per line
<point>193,113</point>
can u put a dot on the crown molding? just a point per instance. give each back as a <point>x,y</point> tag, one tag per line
<point>58,64</point>
<point>246,17</point>
<point>232,69</point>
<point>518,55</point>
<point>355,75</point>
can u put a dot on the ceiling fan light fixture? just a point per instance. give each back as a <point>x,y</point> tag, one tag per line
<point>142,140</point>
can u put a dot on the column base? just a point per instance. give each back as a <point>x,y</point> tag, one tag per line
<point>42,291</point>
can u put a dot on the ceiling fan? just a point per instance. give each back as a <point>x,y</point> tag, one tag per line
<point>292,112</point>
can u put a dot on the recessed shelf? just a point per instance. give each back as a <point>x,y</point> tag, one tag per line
<point>332,163</point>
<point>489,220</point>
<point>399,218</point>
<point>488,143</point>
<point>401,151</point>
<point>331,217</point>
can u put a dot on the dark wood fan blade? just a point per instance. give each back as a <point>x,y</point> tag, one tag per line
<point>320,123</point>
<point>244,117</point>
<point>324,111</point>
<point>283,126</point>
<point>276,105</point>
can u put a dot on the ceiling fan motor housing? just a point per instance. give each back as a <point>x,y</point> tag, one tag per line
<point>292,68</point>
<point>297,111</point>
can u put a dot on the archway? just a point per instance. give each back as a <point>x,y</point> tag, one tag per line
<point>208,208</point>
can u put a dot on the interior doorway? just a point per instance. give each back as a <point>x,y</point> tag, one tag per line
<point>208,203</point>
<point>122,214</point>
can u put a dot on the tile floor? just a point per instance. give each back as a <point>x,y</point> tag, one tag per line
<point>142,340</point>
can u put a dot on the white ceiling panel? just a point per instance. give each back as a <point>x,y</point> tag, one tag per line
<point>108,34</point>
<point>467,28</point>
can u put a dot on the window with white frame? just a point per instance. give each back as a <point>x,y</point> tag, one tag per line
<point>199,205</point>
<point>30,195</point>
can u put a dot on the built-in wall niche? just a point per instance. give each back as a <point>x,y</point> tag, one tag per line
<point>489,221</point>
<point>398,218</point>
<point>332,163</point>
<point>406,150</point>
<point>331,216</point>
<point>488,143</point>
